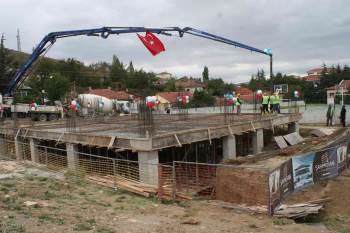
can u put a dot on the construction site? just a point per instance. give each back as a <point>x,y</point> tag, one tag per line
<point>250,161</point>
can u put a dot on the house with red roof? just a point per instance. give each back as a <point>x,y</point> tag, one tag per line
<point>246,94</point>
<point>114,95</point>
<point>168,99</point>
<point>314,75</point>
<point>342,87</point>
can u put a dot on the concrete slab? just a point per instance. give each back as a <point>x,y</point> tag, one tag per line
<point>128,133</point>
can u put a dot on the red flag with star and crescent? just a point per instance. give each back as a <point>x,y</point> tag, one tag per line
<point>152,43</point>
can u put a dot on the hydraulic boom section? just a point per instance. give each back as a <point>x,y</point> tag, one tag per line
<point>105,32</point>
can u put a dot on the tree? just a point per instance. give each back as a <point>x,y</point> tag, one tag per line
<point>131,68</point>
<point>6,71</point>
<point>170,85</point>
<point>216,87</point>
<point>56,87</point>
<point>118,72</point>
<point>202,99</point>
<point>205,74</point>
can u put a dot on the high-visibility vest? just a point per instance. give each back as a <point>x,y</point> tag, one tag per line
<point>276,99</point>
<point>238,101</point>
<point>272,98</point>
<point>265,99</point>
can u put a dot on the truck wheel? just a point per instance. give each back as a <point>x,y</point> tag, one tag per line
<point>42,117</point>
<point>53,117</point>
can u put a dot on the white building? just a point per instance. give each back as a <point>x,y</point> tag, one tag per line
<point>342,88</point>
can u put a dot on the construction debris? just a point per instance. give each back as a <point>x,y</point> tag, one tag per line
<point>281,142</point>
<point>322,132</point>
<point>300,210</point>
<point>139,188</point>
<point>293,138</point>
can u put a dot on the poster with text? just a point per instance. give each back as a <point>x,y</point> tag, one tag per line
<point>325,165</point>
<point>274,184</point>
<point>342,157</point>
<point>302,170</point>
<point>286,179</point>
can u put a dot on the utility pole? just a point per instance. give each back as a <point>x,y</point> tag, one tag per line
<point>271,71</point>
<point>18,41</point>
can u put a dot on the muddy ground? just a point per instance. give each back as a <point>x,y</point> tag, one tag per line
<point>35,200</point>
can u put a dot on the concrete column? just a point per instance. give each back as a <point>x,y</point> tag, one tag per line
<point>293,127</point>
<point>34,150</point>
<point>18,149</point>
<point>148,166</point>
<point>229,147</point>
<point>72,156</point>
<point>258,141</point>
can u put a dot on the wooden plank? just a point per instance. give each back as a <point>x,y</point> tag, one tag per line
<point>280,142</point>
<point>298,210</point>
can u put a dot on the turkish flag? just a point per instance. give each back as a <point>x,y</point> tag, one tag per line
<point>152,43</point>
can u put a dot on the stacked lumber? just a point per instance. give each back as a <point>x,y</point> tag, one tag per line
<point>300,210</point>
<point>167,193</point>
<point>133,186</point>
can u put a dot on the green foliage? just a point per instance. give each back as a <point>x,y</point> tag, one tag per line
<point>205,74</point>
<point>6,68</point>
<point>118,72</point>
<point>82,227</point>
<point>202,99</point>
<point>309,92</point>
<point>259,82</point>
<point>216,87</point>
<point>282,221</point>
<point>55,86</point>
<point>170,86</point>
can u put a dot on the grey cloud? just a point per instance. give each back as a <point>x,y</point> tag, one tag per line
<point>302,34</point>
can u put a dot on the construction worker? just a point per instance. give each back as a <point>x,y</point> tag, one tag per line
<point>276,103</point>
<point>238,103</point>
<point>265,103</point>
<point>329,115</point>
<point>343,115</point>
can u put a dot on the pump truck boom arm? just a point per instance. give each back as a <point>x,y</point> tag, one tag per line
<point>104,32</point>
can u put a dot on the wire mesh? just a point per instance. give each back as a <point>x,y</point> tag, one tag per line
<point>166,185</point>
<point>7,149</point>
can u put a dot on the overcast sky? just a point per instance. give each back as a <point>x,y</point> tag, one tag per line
<point>302,34</point>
